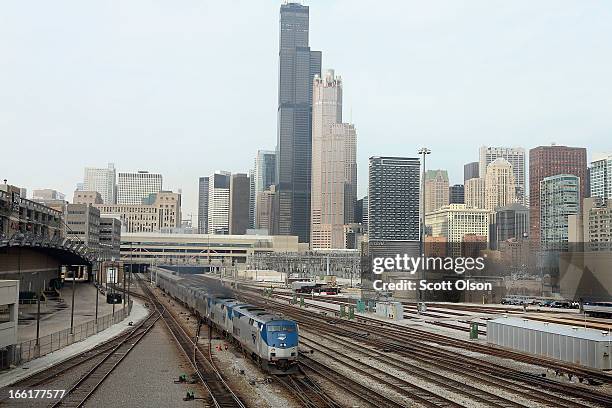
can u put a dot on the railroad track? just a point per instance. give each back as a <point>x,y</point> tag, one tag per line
<point>306,391</point>
<point>419,334</point>
<point>434,377</point>
<point>220,395</point>
<point>418,346</point>
<point>99,352</point>
<point>397,385</point>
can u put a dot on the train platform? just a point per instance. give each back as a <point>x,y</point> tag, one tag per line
<point>55,313</point>
<point>139,313</point>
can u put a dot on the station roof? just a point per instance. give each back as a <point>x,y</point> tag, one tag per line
<point>554,328</point>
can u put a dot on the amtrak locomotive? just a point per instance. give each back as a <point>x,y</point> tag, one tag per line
<point>269,339</point>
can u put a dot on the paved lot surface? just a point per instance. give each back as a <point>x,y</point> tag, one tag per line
<point>56,315</point>
<point>145,378</point>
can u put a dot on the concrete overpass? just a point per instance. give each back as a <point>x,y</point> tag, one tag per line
<point>36,260</point>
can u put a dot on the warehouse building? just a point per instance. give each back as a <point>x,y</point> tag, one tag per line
<point>577,345</point>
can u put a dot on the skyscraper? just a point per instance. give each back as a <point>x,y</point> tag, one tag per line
<point>456,194</point>
<point>298,66</point>
<point>203,205</point>
<point>218,202</point>
<point>132,188</point>
<point>239,204</point>
<point>103,181</point>
<point>263,176</point>
<point>514,155</point>
<point>559,198</point>
<point>393,204</point>
<point>547,161</point>
<point>334,168</point>
<point>436,190</point>
<point>601,176</point>
<point>470,171</point>
<point>500,185</point>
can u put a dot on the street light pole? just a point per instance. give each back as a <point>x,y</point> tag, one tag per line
<point>424,152</point>
<point>72,306</point>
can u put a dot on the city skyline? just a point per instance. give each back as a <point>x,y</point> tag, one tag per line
<point>102,94</point>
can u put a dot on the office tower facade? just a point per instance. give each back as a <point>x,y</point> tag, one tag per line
<point>436,190</point>
<point>546,161</point>
<point>500,185</point>
<point>334,168</point>
<point>203,205</point>
<point>104,181</point>
<point>110,238</point>
<point>239,204</point>
<point>263,175</point>
<point>83,224</point>
<point>218,202</point>
<point>456,194</point>
<point>559,198</point>
<point>266,210</point>
<point>157,212</point>
<point>47,194</point>
<point>470,171</point>
<point>393,201</point>
<point>298,66</point>
<point>455,221</point>
<point>132,188</point>
<point>475,193</point>
<point>515,156</point>
<point>512,221</point>
<point>87,197</point>
<point>601,176</point>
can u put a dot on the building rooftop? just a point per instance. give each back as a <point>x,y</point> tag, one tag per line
<point>553,328</point>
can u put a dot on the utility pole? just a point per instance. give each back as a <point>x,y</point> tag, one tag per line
<point>424,152</point>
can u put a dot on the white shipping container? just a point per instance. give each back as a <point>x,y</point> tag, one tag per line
<point>577,345</point>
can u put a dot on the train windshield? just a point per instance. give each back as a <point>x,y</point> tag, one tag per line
<point>280,328</point>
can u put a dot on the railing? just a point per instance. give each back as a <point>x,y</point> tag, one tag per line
<point>21,353</point>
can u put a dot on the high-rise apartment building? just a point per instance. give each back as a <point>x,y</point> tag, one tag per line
<point>547,161</point>
<point>298,66</point>
<point>436,190</point>
<point>393,204</point>
<point>500,185</point>
<point>132,188</point>
<point>601,176</point>
<point>203,205</point>
<point>103,181</point>
<point>456,194</point>
<point>334,168</point>
<point>262,176</point>
<point>239,204</point>
<point>470,171</point>
<point>475,193</point>
<point>515,156</point>
<point>559,198</point>
<point>218,202</point>
<point>593,225</point>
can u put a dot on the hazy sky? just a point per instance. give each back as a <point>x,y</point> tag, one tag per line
<point>186,87</point>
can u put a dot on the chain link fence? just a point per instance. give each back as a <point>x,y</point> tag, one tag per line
<point>21,353</point>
